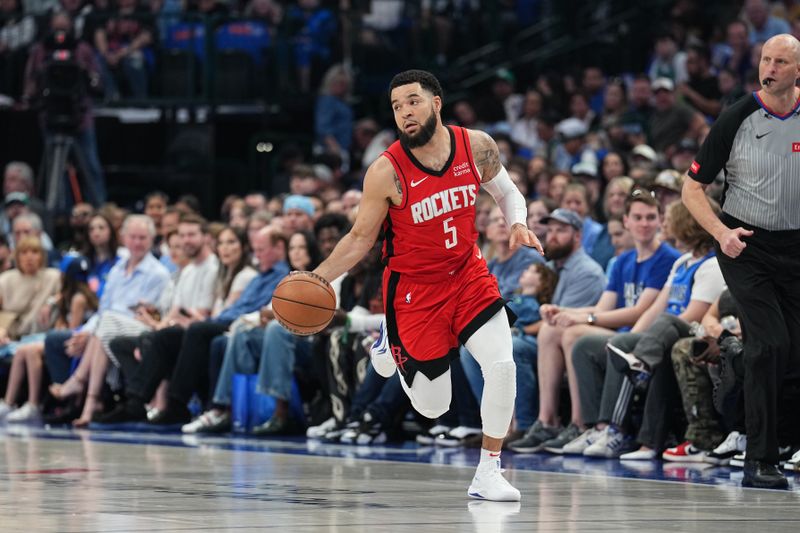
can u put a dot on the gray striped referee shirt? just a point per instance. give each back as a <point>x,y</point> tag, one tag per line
<point>759,151</point>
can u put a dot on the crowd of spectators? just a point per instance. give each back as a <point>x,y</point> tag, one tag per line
<point>164,307</point>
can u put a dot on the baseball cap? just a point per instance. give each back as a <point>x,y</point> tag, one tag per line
<point>643,150</point>
<point>20,197</point>
<point>663,84</point>
<point>669,179</point>
<point>565,216</point>
<point>296,201</point>
<point>75,267</point>
<point>572,128</point>
<point>584,168</point>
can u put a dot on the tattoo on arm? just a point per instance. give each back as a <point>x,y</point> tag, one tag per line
<point>487,158</point>
<point>397,184</point>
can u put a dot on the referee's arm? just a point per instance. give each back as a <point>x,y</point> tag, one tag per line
<point>694,198</point>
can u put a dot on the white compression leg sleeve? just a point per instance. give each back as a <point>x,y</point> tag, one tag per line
<point>491,346</point>
<point>431,399</point>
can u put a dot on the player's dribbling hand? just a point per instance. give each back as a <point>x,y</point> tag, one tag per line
<point>731,242</point>
<point>522,236</point>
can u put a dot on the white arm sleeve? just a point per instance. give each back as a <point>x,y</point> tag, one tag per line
<point>508,198</point>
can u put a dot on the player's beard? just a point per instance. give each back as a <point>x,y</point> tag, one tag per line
<point>556,252</point>
<point>421,138</point>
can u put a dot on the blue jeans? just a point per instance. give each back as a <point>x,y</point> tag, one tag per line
<point>58,363</point>
<point>526,407</point>
<point>280,350</point>
<point>241,357</point>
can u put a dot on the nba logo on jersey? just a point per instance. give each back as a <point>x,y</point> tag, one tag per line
<point>408,298</point>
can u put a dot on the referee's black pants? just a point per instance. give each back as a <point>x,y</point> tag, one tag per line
<point>765,282</point>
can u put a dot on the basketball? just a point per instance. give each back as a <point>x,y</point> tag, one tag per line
<point>304,303</point>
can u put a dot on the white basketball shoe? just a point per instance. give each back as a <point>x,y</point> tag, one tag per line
<point>381,355</point>
<point>489,484</point>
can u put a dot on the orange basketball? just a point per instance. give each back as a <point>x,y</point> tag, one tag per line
<point>304,303</point>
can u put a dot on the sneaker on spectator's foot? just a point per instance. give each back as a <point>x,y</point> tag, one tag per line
<point>26,413</point>
<point>582,441</point>
<point>611,444</point>
<point>5,409</point>
<point>370,431</point>
<point>630,365</point>
<point>737,461</point>
<point>430,436</point>
<point>489,484</point>
<point>317,432</point>
<point>793,464</point>
<point>684,453</point>
<point>536,435</point>
<point>457,436</point>
<point>336,434</point>
<point>734,443</point>
<point>212,421</point>
<point>638,455</point>
<point>556,445</point>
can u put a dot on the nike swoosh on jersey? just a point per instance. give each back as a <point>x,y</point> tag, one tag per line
<point>762,135</point>
<point>415,183</point>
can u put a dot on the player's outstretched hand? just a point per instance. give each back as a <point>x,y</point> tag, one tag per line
<point>731,242</point>
<point>522,236</point>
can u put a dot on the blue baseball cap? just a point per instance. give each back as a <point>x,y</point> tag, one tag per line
<point>296,201</point>
<point>75,267</point>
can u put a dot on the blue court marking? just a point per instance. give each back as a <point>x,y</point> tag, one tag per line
<point>410,452</point>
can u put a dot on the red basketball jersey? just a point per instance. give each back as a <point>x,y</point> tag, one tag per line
<point>433,232</point>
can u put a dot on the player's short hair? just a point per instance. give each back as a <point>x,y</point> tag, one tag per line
<point>426,80</point>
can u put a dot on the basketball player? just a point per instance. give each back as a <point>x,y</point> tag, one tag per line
<point>438,292</point>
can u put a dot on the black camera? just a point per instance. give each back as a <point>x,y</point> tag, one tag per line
<point>65,84</point>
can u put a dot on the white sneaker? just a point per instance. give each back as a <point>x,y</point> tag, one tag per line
<point>793,464</point>
<point>381,355</point>
<point>587,438</point>
<point>611,444</point>
<point>212,421</point>
<point>429,437</point>
<point>457,436</point>
<point>734,443</point>
<point>738,460</point>
<point>489,484</point>
<point>638,455</point>
<point>5,409</point>
<point>26,413</point>
<point>317,432</point>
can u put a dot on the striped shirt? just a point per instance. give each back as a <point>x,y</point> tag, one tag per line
<point>759,150</point>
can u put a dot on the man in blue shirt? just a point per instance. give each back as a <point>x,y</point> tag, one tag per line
<point>189,350</point>
<point>580,284</point>
<point>634,284</point>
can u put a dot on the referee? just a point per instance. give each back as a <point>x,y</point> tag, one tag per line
<point>757,142</point>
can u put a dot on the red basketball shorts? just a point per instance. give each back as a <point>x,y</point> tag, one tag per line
<point>426,322</point>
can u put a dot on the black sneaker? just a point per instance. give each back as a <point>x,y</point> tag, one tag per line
<point>556,445</point>
<point>534,438</point>
<point>457,436</point>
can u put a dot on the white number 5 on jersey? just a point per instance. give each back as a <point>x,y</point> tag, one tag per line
<point>450,243</point>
